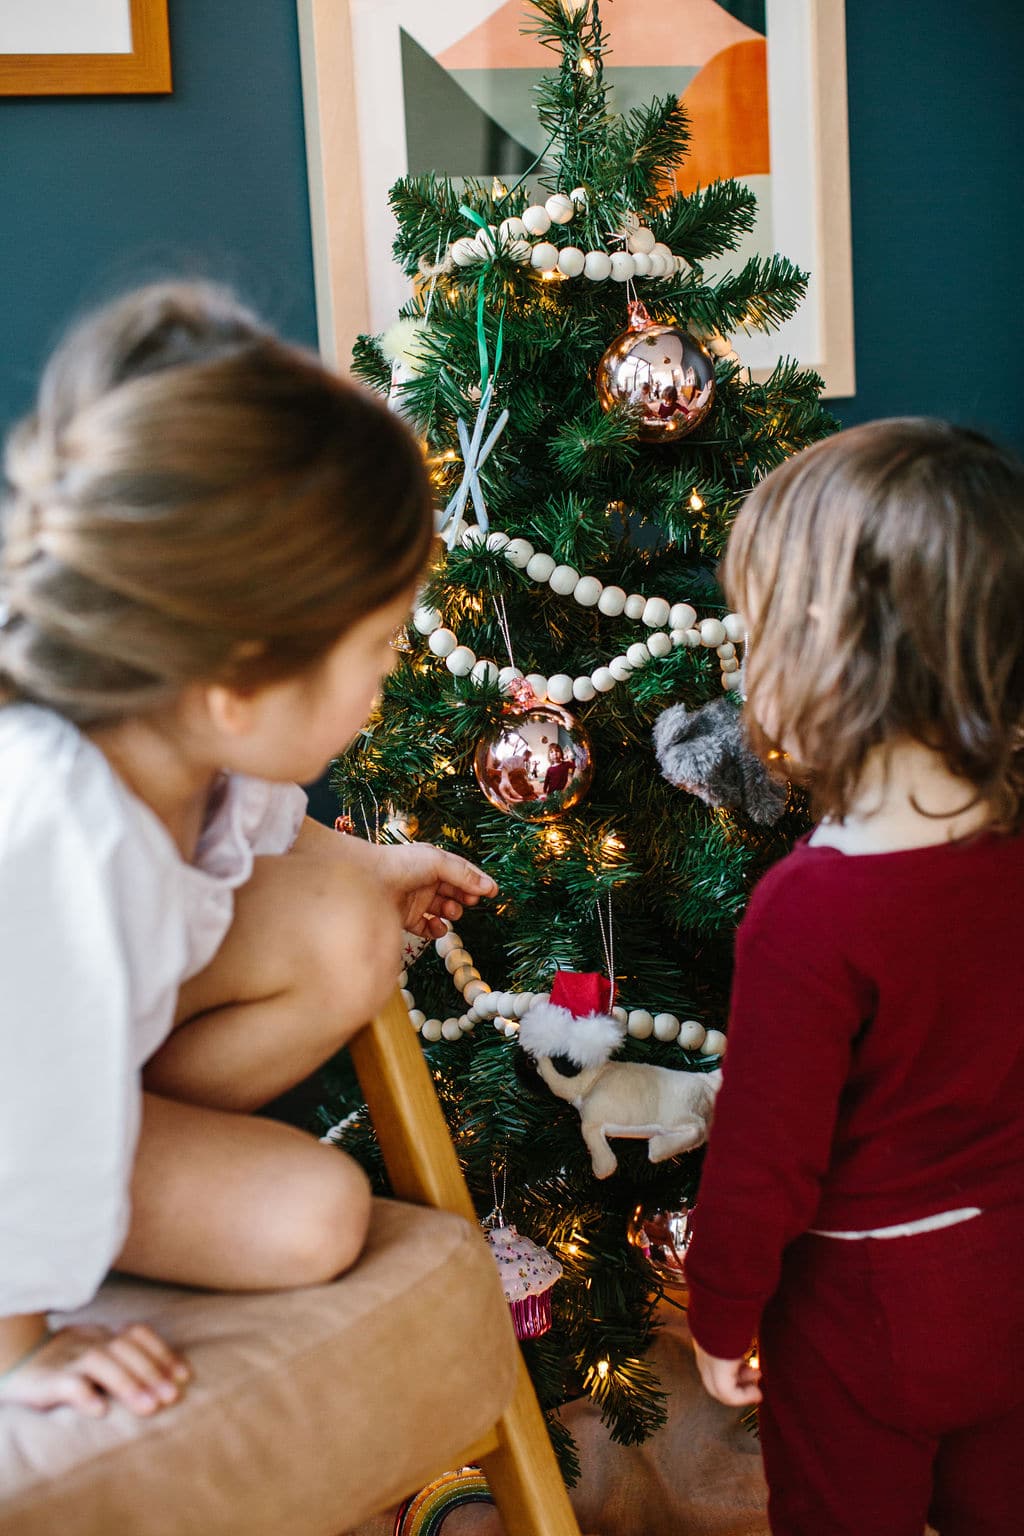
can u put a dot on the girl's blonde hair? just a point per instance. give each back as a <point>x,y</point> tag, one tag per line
<point>193,500</point>
<point>883,570</point>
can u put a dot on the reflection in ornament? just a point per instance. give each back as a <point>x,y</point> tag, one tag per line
<point>660,370</point>
<point>426,1512</point>
<point>663,1238</point>
<point>536,764</point>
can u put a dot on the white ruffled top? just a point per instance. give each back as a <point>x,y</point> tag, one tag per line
<point>101,920</point>
<point>525,1267</point>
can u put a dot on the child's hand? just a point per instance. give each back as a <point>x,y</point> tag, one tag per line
<point>734,1382</point>
<point>429,885</point>
<point>86,1367</point>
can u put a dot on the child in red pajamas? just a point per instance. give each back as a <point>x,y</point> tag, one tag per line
<point>862,1204</point>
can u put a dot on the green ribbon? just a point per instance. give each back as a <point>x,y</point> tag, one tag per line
<point>486,370</point>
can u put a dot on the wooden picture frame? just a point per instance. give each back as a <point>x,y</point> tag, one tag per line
<point>144,68</point>
<point>358,289</point>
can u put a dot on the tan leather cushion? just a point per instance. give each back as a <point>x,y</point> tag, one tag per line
<point>309,1410</point>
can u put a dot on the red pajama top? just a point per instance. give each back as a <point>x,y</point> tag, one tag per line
<point>875,1072</point>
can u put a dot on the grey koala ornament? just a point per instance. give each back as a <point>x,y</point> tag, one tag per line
<point>705,751</point>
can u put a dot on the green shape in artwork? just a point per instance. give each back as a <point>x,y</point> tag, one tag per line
<point>750,12</point>
<point>445,130</point>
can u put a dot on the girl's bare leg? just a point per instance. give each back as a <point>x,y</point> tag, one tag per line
<point>225,1200</point>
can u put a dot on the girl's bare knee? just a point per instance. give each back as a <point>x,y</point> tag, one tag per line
<point>326,1220</point>
<point>353,944</point>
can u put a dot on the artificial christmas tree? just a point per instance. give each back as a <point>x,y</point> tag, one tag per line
<point>591,432</point>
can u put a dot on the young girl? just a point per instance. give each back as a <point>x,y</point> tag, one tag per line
<point>862,1204</point>
<point>208,542</point>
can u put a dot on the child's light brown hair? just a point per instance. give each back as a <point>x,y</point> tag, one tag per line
<point>883,571</point>
<point>193,500</point>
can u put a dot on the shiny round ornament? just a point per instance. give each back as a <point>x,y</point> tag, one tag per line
<point>661,371</point>
<point>662,1237</point>
<point>535,763</point>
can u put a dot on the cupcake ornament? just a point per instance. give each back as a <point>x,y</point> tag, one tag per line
<point>528,1274</point>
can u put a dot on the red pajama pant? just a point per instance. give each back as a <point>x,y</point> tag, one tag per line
<point>893,1376</point>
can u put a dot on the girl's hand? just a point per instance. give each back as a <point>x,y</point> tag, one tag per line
<point>429,885</point>
<point>734,1382</point>
<point>87,1367</point>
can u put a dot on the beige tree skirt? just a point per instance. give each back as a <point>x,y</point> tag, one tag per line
<point>699,1476</point>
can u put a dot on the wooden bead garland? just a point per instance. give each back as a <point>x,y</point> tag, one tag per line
<point>720,635</point>
<point>505,1009</point>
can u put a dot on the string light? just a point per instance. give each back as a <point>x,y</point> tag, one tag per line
<point>586,65</point>
<point>603,1367</point>
<point>696,502</point>
<point>555,840</point>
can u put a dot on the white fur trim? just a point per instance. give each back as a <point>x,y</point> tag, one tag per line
<point>548,1030</point>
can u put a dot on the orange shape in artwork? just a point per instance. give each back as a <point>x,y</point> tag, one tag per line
<point>728,107</point>
<point>639,34</point>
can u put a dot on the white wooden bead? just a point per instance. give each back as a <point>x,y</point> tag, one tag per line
<point>612,602</point>
<point>641,239</point>
<point>587,591</point>
<point>682,616</point>
<point>474,989</point>
<point>497,540</point>
<point>731,681</point>
<point>729,664</point>
<point>539,683</point>
<point>464,252</point>
<point>539,567</point>
<point>718,346</point>
<point>417,1018</point>
<point>536,219</point>
<point>635,605</point>
<point>641,264</point>
<point>431,1029</point>
<point>486,241</point>
<point>541,997</point>
<point>403,978</point>
<point>682,266</point>
<point>659,248</point>
<point>560,688</point>
<point>544,257</point>
<point>657,266</point>
<point>691,1035</point>
<point>456,957</point>
<point>735,626</point>
<point>461,661</point>
<point>580,198</point>
<point>563,579</point>
<point>712,632</point>
<point>583,690</point>
<point>656,612</point>
<point>559,208</point>
<point>510,1028</point>
<point>519,552</point>
<point>641,1024</point>
<point>426,620</point>
<point>451,1029</point>
<point>597,266</point>
<point>622,267</point>
<point>666,1026</point>
<point>519,250</point>
<point>464,975</point>
<point>512,229</point>
<point>507,676</point>
<point>473,537</point>
<point>486,1005</point>
<point>447,942</point>
<point>659,644</point>
<point>638,655</point>
<point>693,638</point>
<point>442,642</point>
<point>714,1043</point>
<point>504,1002</point>
<point>485,672</point>
<point>522,1003</point>
<point>571,261</point>
<point>727,651</point>
<point>677,636</point>
<point>407,998</point>
<point>603,679</point>
<point>620,668</point>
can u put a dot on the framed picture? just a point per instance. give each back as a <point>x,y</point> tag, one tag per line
<point>393,87</point>
<point>83,47</point>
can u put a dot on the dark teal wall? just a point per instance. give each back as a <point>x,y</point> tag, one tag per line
<point>98,194</point>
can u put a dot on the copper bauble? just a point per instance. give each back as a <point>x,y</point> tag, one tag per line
<point>663,1238</point>
<point>536,762</point>
<point>660,370</point>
